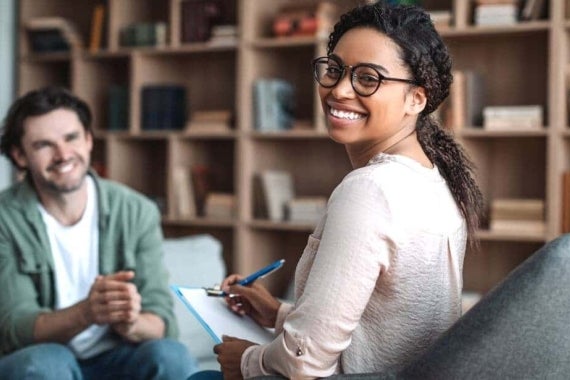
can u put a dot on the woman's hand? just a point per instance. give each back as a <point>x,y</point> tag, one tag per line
<point>253,300</point>
<point>229,356</point>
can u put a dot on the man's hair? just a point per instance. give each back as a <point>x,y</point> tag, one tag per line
<point>36,103</point>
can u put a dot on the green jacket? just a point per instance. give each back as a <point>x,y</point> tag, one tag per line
<point>129,237</point>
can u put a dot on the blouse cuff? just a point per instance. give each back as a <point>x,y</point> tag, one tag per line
<point>252,362</point>
<point>282,313</point>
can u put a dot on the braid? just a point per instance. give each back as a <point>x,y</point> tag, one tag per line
<point>454,166</point>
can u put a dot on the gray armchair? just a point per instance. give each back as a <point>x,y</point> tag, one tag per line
<point>519,330</point>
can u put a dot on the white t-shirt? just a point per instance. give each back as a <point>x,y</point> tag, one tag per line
<point>75,252</point>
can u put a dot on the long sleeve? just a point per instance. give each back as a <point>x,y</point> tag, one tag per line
<point>24,267</point>
<point>379,279</point>
<point>345,266</point>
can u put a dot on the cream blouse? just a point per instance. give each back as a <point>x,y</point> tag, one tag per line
<point>379,280</point>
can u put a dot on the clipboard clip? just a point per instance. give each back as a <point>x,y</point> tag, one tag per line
<point>214,291</point>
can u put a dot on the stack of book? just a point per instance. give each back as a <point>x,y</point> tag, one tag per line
<point>219,205</point>
<point>223,35</point>
<point>52,34</point>
<point>306,209</point>
<point>496,12</point>
<point>163,107</point>
<point>210,121</point>
<point>513,117</point>
<point>199,17</point>
<point>143,34</point>
<point>520,216</point>
<point>273,104</point>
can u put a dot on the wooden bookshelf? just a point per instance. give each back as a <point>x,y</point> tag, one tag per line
<point>525,63</point>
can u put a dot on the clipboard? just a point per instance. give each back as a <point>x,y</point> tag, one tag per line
<point>217,319</point>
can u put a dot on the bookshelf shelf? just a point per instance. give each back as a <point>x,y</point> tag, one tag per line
<point>261,224</point>
<point>284,42</point>
<point>523,64</point>
<point>292,135</point>
<point>46,57</point>
<point>200,222</point>
<point>521,28</point>
<point>476,133</point>
<point>486,235</point>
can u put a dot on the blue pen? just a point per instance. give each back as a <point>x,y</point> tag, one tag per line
<point>217,292</point>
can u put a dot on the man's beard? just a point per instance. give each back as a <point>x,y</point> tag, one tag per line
<point>65,188</point>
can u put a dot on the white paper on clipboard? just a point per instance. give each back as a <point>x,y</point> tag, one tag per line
<point>214,315</point>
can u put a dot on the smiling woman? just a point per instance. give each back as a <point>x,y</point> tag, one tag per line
<point>380,277</point>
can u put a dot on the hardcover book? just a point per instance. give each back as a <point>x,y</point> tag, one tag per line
<point>274,105</point>
<point>277,189</point>
<point>118,106</point>
<point>163,107</point>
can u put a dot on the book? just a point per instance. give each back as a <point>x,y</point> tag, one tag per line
<point>532,227</point>
<point>52,34</point>
<point>163,107</point>
<point>513,215</point>
<point>217,319</point>
<point>532,9</point>
<point>496,14</point>
<point>461,13</point>
<point>520,209</point>
<point>513,117</point>
<point>277,189</point>
<point>467,98</point>
<point>210,121</point>
<point>198,17</point>
<point>118,106</point>
<point>223,35</point>
<point>219,205</point>
<point>184,205</point>
<point>97,22</point>
<point>307,209</point>
<point>201,175</point>
<point>143,34</point>
<point>273,105</point>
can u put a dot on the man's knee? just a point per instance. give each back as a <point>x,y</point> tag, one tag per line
<point>41,361</point>
<point>166,355</point>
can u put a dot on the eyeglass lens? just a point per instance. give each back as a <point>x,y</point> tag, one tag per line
<point>365,80</point>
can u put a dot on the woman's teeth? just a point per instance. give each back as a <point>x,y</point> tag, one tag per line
<point>349,115</point>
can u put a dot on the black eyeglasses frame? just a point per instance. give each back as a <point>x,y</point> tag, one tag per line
<point>346,68</point>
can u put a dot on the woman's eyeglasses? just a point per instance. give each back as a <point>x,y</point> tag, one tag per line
<point>364,78</point>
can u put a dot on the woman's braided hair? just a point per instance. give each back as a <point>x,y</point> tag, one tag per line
<point>423,51</point>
